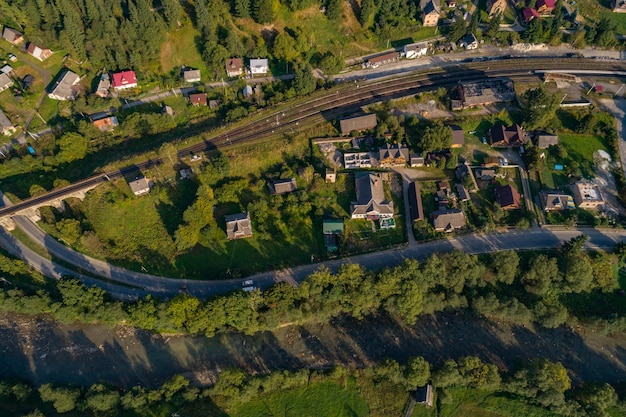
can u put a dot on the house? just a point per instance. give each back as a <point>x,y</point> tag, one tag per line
<point>332,228</point>
<point>544,140</point>
<point>482,93</point>
<point>5,82</point>
<point>442,198</point>
<point>12,36</point>
<point>107,124</point>
<point>416,208</point>
<point>185,173</point>
<point>331,176</point>
<point>12,58</point>
<point>444,186</point>
<point>461,193</point>
<point>619,6</point>
<point>393,155</point>
<point>140,186</point>
<point>198,99</point>
<point>448,220</point>
<point>529,14</point>
<point>27,81</point>
<point>545,6</point>
<point>486,174</point>
<point>416,160</point>
<point>491,161</point>
<point>415,50</point>
<point>425,395</point>
<point>461,171</point>
<point>370,198</point>
<point>507,137</point>
<point>214,104</point>
<point>124,80</point>
<point>556,202</point>
<point>468,41</point>
<point>587,195</point>
<point>247,91</point>
<point>379,60</point>
<point>40,53</point>
<point>507,197</point>
<point>357,160</point>
<point>278,187</point>
<point>495,7</point>
<point>168,110</point>
<point>103,85</point>
<point>238,226</point>
<point>64,87</point>
<point>191,76</point>
<point>435,157</point>
<point>7,69</point>
<point>431,11</point>
<point>234,67</point>
<point>358,124</point>
<point>6,127</point>
<point>259,67</point>
<point>458,137</point>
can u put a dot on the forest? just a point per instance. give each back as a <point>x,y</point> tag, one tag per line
<point>538,388</point>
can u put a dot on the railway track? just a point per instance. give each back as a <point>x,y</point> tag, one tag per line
<point>345,100</point>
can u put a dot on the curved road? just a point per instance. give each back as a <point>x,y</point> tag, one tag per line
<point>135,284</point>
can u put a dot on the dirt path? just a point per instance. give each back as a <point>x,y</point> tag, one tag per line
<point>40,349</point>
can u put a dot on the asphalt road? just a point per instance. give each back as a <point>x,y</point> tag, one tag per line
<point>135,284</point>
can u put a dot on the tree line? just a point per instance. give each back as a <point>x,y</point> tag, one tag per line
<point>540,382</point>
<point>500,285</point>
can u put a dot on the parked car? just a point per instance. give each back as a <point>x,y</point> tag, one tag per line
<point>248,289</point>
<point>247,283</point>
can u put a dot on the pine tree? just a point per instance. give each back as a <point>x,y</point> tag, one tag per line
<point>242,8</point>
<point>367,8</point>
<point>262,11</point>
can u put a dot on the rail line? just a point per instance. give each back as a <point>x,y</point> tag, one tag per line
<point>347,99</point>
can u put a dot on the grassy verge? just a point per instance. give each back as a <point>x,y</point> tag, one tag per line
<point>467,402</point>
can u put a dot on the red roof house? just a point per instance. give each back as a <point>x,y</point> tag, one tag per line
<point>529,14</point>
<point>198,99</point>
<point>123,80</point>
<point>507,197</point>
<point>545,6</point>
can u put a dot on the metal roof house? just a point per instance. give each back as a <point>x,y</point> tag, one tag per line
<point>238,226</point>
<point>64,87</point>
<point>370,198</point>
<point>359,124</point>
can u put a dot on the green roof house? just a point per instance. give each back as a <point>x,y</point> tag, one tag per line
<point>331,229</point>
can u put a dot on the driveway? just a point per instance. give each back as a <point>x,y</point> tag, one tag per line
<point>617,107</point>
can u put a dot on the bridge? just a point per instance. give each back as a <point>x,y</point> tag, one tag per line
<point>55,198</point>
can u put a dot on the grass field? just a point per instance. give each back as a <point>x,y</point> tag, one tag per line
<point>580,148</point>
<point>180,48</point>
<point>323,399</point>
<point>594,10</point>
<point>467,402</point>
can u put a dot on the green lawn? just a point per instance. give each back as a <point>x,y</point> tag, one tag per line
<point>180,49</point>
<point>467,402</point>
<point>593,10</point>
<point>580,148</point>
<point>322,399</point>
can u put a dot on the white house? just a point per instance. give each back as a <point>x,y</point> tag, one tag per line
<point>415,50</point>
<point>6,127</point>
<point>259,66</point>
<point>469,41</point>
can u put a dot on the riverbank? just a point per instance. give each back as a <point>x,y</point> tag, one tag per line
<point>41,350</point>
